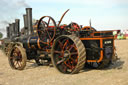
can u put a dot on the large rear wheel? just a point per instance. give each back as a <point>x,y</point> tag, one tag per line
<point>68,54</point>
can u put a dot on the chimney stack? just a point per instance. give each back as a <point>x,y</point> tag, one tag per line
<point>17,27</point>
<point>8,32</point>
<point>25,24</point>
<point>29,20</point>
<point>13,29</point>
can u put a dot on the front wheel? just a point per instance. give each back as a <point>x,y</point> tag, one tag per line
<point>17,58</point>
<point>68,54</point>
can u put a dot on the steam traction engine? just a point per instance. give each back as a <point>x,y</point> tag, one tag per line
<point>70,46</point>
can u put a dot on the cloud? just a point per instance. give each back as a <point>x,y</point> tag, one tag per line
<point>4,22</point>
<point>9,9</point>
<point>85,2</point>
<point>22,3</point>
<point>2,30</point>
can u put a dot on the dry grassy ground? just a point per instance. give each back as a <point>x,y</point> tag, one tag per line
<point>116,74</point>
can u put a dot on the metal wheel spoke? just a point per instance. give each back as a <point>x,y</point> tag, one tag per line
<point>41,31</point>
<point>74,53</point>
<point>43,24</point>
<point>49,21</point>
<point>48,34</point>
<point>59,52</point>
<point>71,47</point>
<point>65,44</point>
<point>68,66</point>
<point>74,61</point>
<point>60,61</point>
<point>72,65</point>
<point>60,44</point>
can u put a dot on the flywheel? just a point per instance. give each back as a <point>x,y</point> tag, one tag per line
<point>46,29</point>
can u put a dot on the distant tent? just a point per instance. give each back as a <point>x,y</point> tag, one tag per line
<point>115,33</point>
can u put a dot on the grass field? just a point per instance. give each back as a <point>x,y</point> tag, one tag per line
<point>116,74</point>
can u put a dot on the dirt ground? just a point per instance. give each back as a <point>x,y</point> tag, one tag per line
<point>116,74</point>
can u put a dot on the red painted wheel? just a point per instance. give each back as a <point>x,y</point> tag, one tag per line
<point>74,27</point>
<point>46,29</point>
<point>68,54</point>
<point>17,58</point>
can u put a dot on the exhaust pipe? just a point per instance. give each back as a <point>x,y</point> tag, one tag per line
<point>25,24</point>
<point>29,20</point>
<point>17,27</point>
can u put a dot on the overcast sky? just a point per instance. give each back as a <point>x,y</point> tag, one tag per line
<point>104,14</point>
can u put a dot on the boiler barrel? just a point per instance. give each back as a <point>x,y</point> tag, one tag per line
<point>33,43</point>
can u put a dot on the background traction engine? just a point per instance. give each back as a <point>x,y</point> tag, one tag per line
<point>70,47</point>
